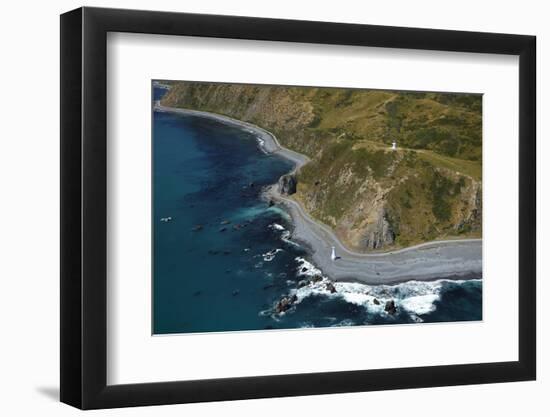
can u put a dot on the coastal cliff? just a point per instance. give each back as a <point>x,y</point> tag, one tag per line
<point>373,197</point>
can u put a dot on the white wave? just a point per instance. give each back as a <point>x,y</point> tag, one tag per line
<point>417,298</point>
<point>276,226</point>
<point>344,323</point>
<point>420,304</point>
<point>306,268</point>
<point>313,288</point>
<point>270,255</point>
<point>286,237</point>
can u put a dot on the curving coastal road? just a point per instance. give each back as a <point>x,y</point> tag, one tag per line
<point>451,259</point>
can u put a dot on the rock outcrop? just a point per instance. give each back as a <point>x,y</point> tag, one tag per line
<point>331,288</point>
<point>285,303</point>
<point>287,184</point>
<point>390,307</point>
<point>379,234</point>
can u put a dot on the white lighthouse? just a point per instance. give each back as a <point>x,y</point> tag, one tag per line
<point>394,145</point>
<point>333,254</point>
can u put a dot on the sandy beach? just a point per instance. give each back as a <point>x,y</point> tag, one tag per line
<point>450,259</point>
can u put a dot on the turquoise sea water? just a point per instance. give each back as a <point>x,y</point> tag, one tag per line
<point>222,262</point>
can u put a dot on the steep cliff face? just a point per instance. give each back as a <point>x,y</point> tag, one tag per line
<point>372,196</point>
<point>287,184</point>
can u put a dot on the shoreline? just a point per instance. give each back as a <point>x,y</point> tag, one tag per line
<point>429,261</point>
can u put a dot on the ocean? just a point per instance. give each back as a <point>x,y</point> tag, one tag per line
<point>222,258</point>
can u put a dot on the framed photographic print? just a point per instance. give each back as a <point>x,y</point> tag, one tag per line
<point>258,208</point>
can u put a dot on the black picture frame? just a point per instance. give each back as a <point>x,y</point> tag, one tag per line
<point>84,207</point>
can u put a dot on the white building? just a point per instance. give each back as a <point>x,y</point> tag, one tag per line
<point>394,145</point>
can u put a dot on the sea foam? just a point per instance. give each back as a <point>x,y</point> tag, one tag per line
<point>417,298</point>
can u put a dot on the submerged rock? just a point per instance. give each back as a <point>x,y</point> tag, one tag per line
<point>375,301</point>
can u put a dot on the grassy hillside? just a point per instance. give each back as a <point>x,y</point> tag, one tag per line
<point>373,197</point>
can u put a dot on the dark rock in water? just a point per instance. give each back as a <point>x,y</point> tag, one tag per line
<point>235,293</point>
<point>251,184</point>
<point>375,301</point>
<point>228,271</point>
<point>271,203</point>
<point>390,307</point>
<point>197,293</point>
<point>316,278</point>
<point>304,269</point>
<point>226,252</point>
<point>302,283</point>
<point>223,229</point>
<point>331,288</point>
<point>285,303</point>
<point>287,184</point>
<point>213,252</point>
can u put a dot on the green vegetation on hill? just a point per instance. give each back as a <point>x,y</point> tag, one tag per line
<point>373,197</point>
